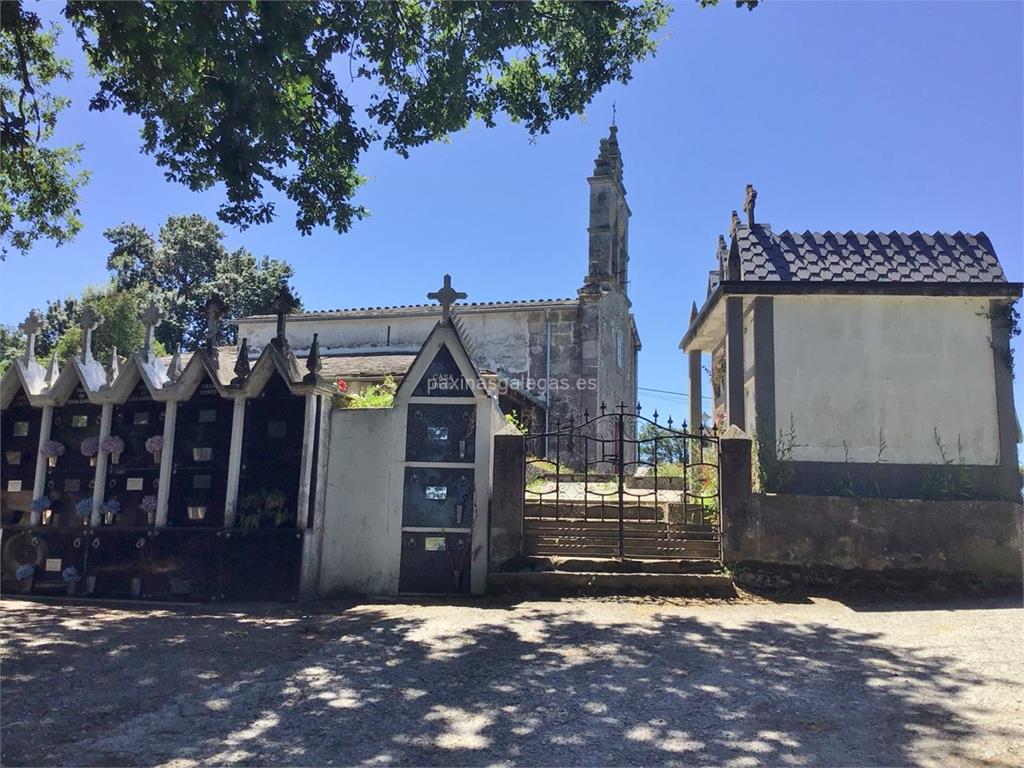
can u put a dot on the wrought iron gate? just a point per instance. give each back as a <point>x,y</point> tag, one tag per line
<point>622,485</point>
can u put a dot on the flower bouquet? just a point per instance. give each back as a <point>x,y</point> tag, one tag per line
<point>148,506</point>
<point>70,577</point>
<point>84,509</point>
<point>113,445</point>
<point>52,450</point>
<point>26,574</point>
<point>155,445</point>
<point>41,504</point>
<point>90,447</point>
<point>110,509</point>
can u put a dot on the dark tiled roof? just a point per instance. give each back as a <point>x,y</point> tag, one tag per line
<point>366,365</point>
<point>421,309</point>
<point>871,257</point>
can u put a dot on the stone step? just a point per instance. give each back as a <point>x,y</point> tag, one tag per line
<point>587,583</point>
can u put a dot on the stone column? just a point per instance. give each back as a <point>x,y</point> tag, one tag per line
<point>102,459</point>
<point>39,483</point>
<point>309,438</point>
<point>506,535</point>
<point>234,462</point>
<point>734,365</point>
<point>736,489</point>
<point>166,462</point>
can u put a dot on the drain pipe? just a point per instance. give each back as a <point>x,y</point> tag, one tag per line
<point>547,375</point>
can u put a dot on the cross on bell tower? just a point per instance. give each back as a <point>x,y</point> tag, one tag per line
<point>151,317</point>
<point>34,323</point>
<point>88,322</point>
<point>446,296</point>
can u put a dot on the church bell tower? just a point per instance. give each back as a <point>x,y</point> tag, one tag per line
<point>609,220</point>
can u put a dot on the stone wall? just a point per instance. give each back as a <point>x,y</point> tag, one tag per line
<point>973,540</point>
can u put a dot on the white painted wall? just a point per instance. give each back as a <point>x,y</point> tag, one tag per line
<point>362,532</point>
<point>846,366</point>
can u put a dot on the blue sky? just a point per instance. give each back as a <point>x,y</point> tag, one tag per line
<point>881,115</point>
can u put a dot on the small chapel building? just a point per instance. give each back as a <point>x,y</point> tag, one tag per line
<point>553,359</point>
<point>870,363</point>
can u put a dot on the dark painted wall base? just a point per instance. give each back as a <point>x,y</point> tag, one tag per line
<point>758,576</point>
<point>901,481</point>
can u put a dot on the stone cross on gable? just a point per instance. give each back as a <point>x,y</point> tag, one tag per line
<point>88,322</point>
<point>446,296</point>
<point>283,305</point>
<point>151,317</point>
<point>215,309</point>
<point>734,224</point>
<point>34,323</point>
<point>749,201</point>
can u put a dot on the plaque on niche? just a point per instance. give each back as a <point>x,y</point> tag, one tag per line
<point>13,486</point>
<point>140,417</point>
<point>437,492</point>
<point>72,485</point>
<point>437,434</point>
<point>434,543</point>
<point>202,454</point>
<point>206,415</point>
<point>277,429</point>
<point>20,429</point>
<point>133,484</point>
<point>79,420</point>
<point>196,512</point>
<point>201,481</point>
<point>13,457</point>
<point>52,564</point>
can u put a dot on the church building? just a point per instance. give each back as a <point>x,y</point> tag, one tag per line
<point>552,359</point>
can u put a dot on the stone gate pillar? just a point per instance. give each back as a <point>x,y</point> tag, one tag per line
<point>735,452</point>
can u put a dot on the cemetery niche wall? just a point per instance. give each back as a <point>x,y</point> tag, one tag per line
<point>19,437</point>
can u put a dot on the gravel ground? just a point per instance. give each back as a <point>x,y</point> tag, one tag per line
<point>570,682</point>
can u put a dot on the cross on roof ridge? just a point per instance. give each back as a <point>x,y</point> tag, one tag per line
<point>446,296</point>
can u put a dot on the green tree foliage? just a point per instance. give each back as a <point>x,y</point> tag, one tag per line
<point>39,181</point>
<point>12,344</point>
<point>287,96</point>
<point>669,445</point>
<point>183,266</point>
<point>120,328</point>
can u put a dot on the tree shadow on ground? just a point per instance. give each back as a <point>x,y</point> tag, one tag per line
<point>474,685</point>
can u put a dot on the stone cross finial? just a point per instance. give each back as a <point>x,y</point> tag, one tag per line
<point>174,369</point>
<point>88,322</point>
<point>242,367</point>
<point>53,372</point>
<point>215,309</point>
<point>749,201</point>
<point>115,367</point>
<point>313,362</point>
<point>283,305</point>
<point>734,224</point>
<point>151,317</point>
<point>446,296</point>
<point>34,323</point>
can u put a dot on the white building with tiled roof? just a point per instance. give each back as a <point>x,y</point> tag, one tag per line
<point>876,364</point>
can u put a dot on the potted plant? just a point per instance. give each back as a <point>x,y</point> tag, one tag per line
<point>70,577</point>
<point>111,508</point>
<point>113,445</point>
<point>155,446</point>
<point>52,450</point>
<point>90,447</point>
<point>84,509</point>
<point>148,506</point>
<point>25,575</point>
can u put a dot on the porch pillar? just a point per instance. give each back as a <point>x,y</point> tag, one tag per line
<point>234,462</point>
<point>734,366</point>
<point>39,483</point>
<point>309,438</point>
<point>163,491</point>
<point>696,403</point>
<point>102,459</point>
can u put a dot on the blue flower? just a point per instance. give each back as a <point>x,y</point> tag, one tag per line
<point>84,507</point>
<point>70,574</point>
<point>41,504</point>
<point>25,571</point>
